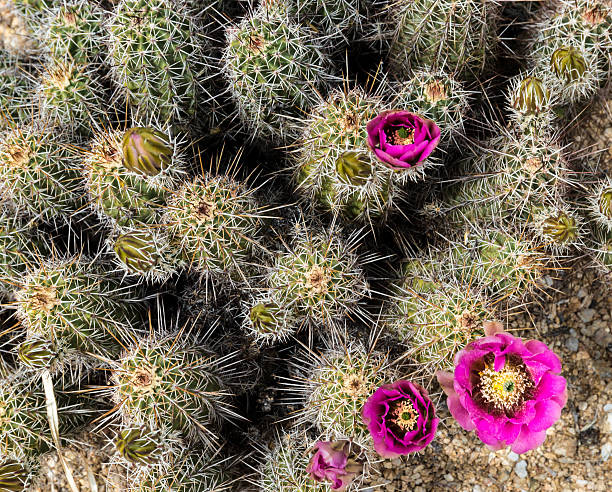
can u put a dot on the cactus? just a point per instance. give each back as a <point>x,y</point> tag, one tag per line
<point>23,417</point>
<point>74,302</point>
<point>38,174</point>
<point>531,102</point>
<point>123,195</point>
<point>214,223</point>
<point>435,314</point>
<point>14,475</point>
<point>70,96</point>
<point>74,31</point>
<point>172,383</point>
<point>283,469</point>
<point>21,247</point>
<point>559,228</point>
<point>318,277</point>
<point>275,68</point>
<point>601,203</point>
<point>511,178</point>
<point>156,54</point>
<point>144,254</point>
<point>456,36</point>
<point>437,96</point>
<point>339,20</point>
<point>267,322</point>
<point>15,87</point>
<point>335,168</point>
<point>333,387</point>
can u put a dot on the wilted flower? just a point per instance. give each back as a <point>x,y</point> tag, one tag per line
<point>401,139</point>
<point>146,151</point>
<point>331,463</point>
<point>508,390</point>
<point>401,418</point>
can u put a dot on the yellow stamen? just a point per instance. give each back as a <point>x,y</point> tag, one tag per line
<point>405,416</point>
<point>503,389</point>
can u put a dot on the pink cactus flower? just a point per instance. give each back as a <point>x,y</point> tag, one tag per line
<point>401,139</point>
<point>401,419</point>
<point>507,390</point>
<point>331,462</point>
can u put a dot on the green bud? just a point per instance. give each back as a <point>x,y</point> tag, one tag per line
<point>353,168</point>
<point>263,317</point>
<point>13,477</point>
<point>568,64</point>
<point>605,203</point>
<point>530,96</point>
<point>138,446</point>
<point>137,252</point>
<point>146,151</point>
<point>35,353</point>
<point>560,228</point>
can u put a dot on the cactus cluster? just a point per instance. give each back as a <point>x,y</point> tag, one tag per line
<point>216,216</point>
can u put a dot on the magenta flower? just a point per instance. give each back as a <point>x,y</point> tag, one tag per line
<point>508,390</point>
<point>331,463</point>
<point>401,418</point>
<point>401,139</point>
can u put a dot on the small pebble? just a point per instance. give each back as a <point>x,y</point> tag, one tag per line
<point>521,469</point>
<point>572,344</point>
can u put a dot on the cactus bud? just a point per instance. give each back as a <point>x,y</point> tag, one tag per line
<point>35,354</point>
<point>146,151</point>
<point>136,251</point>
<point>13,477</point>
<point>560,228</point>
<point>264,317</point>
<point>568,64</point>
<point>605,202</point>
<point>138,446</point>
<point>353,169</point>
<point>531,96</point>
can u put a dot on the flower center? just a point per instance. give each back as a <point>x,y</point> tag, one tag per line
<point>504,389</point>
<point>401,136</point>
<point>317,279</point>
<point>404,415</point>
<point>205,211</point>
<point>354,385</point>
<point>44,299</point>
<point>435,91</point>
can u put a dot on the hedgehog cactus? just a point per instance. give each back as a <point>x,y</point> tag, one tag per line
<point>267,322</point>
<point>319,278</point>
<point>23,417</point>
<point>74,31</point>
<point>156,54</point>
<point>455,36</point>
<point>75,303</point>
<point>275,69</point>
<point>70,96</point>
<point>283,469</point>
<point>129,176</point>
<point>333,388</point>
<point>437,96</point>
<point>14,476</point>
<point>214,223</point>
<point>15,87</point>
<point>169,383</point>
<point>21,247</point>
<point>38,174</point>
<point>336,165</point>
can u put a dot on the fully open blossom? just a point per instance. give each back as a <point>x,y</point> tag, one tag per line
<point>507,390</point>
<point>401,139</point>
<point>331,462</point>
<point>401,418</point>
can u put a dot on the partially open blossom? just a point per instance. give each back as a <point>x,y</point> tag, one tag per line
<point>331,462</point>
<point>401,139</point>
<point>507,390</point>
<point>401,418</point>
